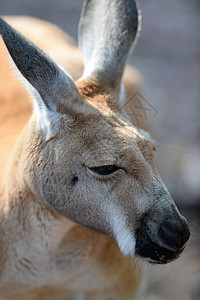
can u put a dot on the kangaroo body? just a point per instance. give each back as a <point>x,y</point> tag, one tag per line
<point>67,221</point>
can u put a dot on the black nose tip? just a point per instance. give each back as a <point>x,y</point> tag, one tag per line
<point>174,233</point>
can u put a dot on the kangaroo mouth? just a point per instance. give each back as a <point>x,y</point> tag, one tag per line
<point>153,252</point>
<point>156,254</point>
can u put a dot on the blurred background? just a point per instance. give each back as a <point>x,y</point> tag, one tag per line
<point>168,57</point>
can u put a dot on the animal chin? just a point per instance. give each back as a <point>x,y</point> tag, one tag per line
<point>154,253</point>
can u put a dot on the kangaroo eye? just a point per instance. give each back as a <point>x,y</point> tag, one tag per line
<point>105,170</point>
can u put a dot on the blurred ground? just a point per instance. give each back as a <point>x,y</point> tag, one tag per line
<point>168,56</point>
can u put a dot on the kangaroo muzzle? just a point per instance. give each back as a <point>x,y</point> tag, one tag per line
<point>163,242</point>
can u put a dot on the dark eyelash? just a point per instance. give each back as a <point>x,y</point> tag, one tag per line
<point>105,170</point>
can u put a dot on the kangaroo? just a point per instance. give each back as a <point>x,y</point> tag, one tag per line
<point>81,200</point>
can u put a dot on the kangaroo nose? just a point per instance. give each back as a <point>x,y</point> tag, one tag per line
<point>174,233</point>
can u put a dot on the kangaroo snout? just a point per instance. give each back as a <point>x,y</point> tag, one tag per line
<point>161,241</point>
<point>174,233</point>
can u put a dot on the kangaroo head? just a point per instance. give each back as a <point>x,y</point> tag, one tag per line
<point>82,156</point>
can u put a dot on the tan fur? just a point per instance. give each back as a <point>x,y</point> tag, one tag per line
<point>101,250</point>
<point>44,255</point>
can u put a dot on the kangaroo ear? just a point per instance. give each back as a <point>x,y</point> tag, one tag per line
<point>107,30</point>
<point>55,88</point>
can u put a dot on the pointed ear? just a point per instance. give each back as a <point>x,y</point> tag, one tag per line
<point>107,30</point>
<point>56,89</point>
